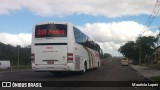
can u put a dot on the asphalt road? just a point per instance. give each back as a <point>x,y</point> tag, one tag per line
<point>111,71</point>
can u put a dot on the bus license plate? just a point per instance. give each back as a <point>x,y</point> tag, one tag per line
<point>50,62</point>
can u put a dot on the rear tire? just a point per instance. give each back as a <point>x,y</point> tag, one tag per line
<point>85,68</point>
<point>98,65</point>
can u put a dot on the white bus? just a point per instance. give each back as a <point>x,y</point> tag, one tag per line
<point>62,47</point>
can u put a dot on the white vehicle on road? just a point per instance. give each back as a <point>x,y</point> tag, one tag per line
<point>125,61</point>
<point>5,64</point>
<point>62,47</point>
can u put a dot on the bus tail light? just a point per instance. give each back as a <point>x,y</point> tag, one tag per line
<point>32,58</point>
<point>70,57</point>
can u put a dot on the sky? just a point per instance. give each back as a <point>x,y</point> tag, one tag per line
<point>110,22</point>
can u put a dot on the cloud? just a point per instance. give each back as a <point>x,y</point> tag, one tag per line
<point>107,8</point>
<point>113,32</point>
<point>113,35</point>
<point>22,39</point>
<point>111,47</point>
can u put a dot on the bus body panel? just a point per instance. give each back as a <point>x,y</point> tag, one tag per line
<point>80,56</point>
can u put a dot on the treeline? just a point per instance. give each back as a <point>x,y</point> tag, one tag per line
<point>105,55</point>
<point>9,52</point>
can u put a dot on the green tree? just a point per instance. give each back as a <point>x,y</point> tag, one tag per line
<point>131,49</point>
<point>147,44</point>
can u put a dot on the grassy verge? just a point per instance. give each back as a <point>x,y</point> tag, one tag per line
<point>15,68</point>
<point>152,66</point>
<point>156,79</point>
<point>21,67</point>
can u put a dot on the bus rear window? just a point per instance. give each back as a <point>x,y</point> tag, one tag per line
<point>50,30</point>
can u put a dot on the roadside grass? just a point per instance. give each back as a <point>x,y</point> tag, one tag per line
<point>15,68</point>
<point>21,67</point>
<point>156,66</point>
<point>156,79</point>
<point>152,66</point>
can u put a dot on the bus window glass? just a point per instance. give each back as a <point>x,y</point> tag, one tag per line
<point>84,40</point>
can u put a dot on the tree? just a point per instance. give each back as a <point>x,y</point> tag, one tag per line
<point>107,55</point>
<point>131,49</point>
<point>147,44</point>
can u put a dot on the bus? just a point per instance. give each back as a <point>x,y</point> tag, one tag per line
<point>60,46</point>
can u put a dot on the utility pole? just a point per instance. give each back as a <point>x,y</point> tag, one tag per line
<point>158,37</point>
<point>140,52</point>
<point>157,50</point>
<point>18,56</point>
<point>140,47</point>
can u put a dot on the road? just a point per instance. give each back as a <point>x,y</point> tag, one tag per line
<point>111,71</point>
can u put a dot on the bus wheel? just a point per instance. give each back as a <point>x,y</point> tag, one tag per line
<point>98,64</point>
<point>85,68</point>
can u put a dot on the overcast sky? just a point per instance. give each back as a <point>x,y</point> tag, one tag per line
<point>110,22</point>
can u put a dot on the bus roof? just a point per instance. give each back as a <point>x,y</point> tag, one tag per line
<point>41,23</point>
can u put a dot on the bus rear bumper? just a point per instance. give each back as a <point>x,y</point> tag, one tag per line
<point>65,67</point>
